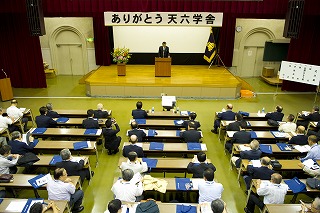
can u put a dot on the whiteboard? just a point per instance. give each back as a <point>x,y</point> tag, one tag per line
<point>298,72</point>
<point>147,39</point>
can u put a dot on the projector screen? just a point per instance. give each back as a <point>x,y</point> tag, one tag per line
<point>147,39</point>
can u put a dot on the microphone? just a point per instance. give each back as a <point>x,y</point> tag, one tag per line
<point>4,73</point>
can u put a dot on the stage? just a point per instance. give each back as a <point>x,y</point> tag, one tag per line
<point>186,81</point>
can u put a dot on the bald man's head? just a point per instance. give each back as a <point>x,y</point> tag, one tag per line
<point>301,130</point>
<point>276,178</point>
<point>229,106</point>
<point>133,139</point>
<point>265,161</point>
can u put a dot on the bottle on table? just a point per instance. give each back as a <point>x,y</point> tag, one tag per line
<point>152,110</point>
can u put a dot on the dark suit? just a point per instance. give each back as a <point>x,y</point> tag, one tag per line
<point>263,173</point>
<point>138,132</point>
<point>163,53</point>
<point>100,114</point>
<point>186,123</point>
<point>276,116</point>
<point>227,115</point>
<point>241,137</point>
<point>21,148</point>
<point>52,114</point>
<point>139,113</point>
<point>197,169</point>
<point>74,169</point>
<point>299,140</point>
<point>191,135</point>
<point>132,148</point>
<point>90,123</point>
<point>234,126</point>
<point>250,155</point>
<point>112,141</point>
<point>44,121</point>
<point>306,119</point>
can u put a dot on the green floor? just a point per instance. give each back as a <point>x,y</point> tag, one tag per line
<point>65,93</point>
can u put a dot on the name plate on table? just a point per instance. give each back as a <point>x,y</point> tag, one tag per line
<point>178,122</point>
<point>185,113</point>
<point>278,134</point>
<point>183,184</point>
<point>81,145</point>
<point>156,146</point>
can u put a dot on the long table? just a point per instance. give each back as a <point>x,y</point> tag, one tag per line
<point>167,115</point>
<point>275,208</point>
<point>77,122</point>
<point>159,124</point>
<point>75,113</point>
<point>63,205</point>
<point>5,132</point>
<point>253,116</point>
<point>164,136</point>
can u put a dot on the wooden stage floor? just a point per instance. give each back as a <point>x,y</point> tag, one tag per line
<point>192,81</point>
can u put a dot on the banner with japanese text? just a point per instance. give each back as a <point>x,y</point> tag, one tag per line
<point>163,19</point>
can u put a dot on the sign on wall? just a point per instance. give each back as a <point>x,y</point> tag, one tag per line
<point>298,72</point>
<point>163,19</point>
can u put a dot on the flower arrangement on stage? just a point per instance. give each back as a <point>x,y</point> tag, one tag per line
<point>121,55</point>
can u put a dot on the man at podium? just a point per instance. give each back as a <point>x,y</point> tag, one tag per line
<point>164,51</point>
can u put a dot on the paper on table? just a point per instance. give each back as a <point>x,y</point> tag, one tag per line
<point>89,144</point>
<point>43,180</point>
<point>99,131</point>
<point>304,148</point>
<point>308,163</point>
<point>184,113</point>
<point>244,148</point>
<point>281,134</point>
<point>256,163</point>
<point>16,206</point>
<point>206,207</point>
<point>139,144</point>
<point>76,159</point>
<point>260,114</point>
<point>180,122</point>
<point>195,183</point>
<point>203,147</point>
<point>305,113</point>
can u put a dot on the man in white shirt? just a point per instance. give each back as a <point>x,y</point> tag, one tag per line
<point>134,163</point>
<point>5,122</point>
<point>14,112</point>
<point>314,152</point>
<point>289,126</point>
<point>273,192</point>
<point>61,188</point>
<point>209,190</point>
<point>125,189</point>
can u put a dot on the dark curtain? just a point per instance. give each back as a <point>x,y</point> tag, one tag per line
<point>101,42</point>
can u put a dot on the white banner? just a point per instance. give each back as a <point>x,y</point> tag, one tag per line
<point>163,19</point>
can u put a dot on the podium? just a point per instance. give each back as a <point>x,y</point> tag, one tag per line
<point>162,67</point>
<point>6,89</point>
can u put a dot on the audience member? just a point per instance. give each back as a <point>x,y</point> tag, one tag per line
<point>72,166</point>
<point>90,122</point>
<point>133,147</point>
<point>39,208</point>
<point>112,141</point>
<point>3,141</point>
<point>50,112</point>
<point>6,122</point>
<point>314,152</point>
<point>216,206</point>
<point>136,131</point>
<point>114,206</point>
<point>209,190</point>
<point>8,161</point>
<point>313,208</point>
<point>305,119</point>
<point>241,137</point>
<point>192,118</point>
<point>125,190</point>
<point>18,146</point>
<point>253,154</point>
<point>264,172</point>
<point>15,113</point>
<point>276,115</point>
<point>134,163</point>
<point>235,126</point>
<point>300,138</point>
<point>191,135</point>
<point>100,112</point>
<point>62,188</point>
<point>196,168</point>
<point>44,121</point>
<point>289,126</point>
<point>273,192</point>
<point>228,115</point>
<point>139,113</point>
<point>314,172</point>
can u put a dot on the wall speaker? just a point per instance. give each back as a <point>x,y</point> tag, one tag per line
<point>35,17</point>
<point>293,18</point>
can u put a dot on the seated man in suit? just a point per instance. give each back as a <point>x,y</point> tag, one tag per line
<point>228,115</point>
<point>133,147</point>
<point>14,112</point>
<point>112,141</point>
<point>276,115</point>
<point>235,126</point>
<point>273,193</point>
<point>314,152</point>
<point>300,138</point>
<point>6,122</point>
<point>242,137</point>
<point>50,112</point>
<point>139,113</point>
<point>313,116</point>
<point>264,172</point>
<point>136,131</point>
<point>289,126</point>
<point>209,190</point>
<point>134,163</point>
<point>44,121</point>
<point>253,154</point>
<point>90,122</point>
<point>18,146</point>
<point>100,112</point>
<point>191,135</point>
<point>192,118</point>
<point>197,169</point>
<point>73,167</point>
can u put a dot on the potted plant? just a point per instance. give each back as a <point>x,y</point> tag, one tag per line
<point>121,56</point>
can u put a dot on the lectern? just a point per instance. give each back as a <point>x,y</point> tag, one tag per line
<point>162,67</point>
<point>5,88</point>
